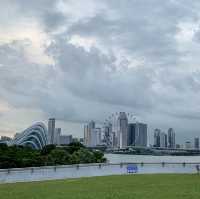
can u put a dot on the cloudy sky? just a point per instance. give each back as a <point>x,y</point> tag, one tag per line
<point>86,59</point>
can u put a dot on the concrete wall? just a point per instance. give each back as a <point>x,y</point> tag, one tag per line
<point>89,170</point>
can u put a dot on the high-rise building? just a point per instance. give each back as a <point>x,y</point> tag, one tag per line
<point>137,134</point>
<point>160,139</point>
<point>171,138</point>
<point>157,137</point>
<point>122,130</point>
<point>163,140</point>
<point>107,134</point>
<point>51,130</point>
<point>188,145</point>
<point>114,140</point>
<point>95,137</point>
<point>57,135</point>
<point>196,143</point>
<point>65,139</point>
<point>140,134</point>
<point>88,130</point>
<point>131,134</point>
<point>166,141</point>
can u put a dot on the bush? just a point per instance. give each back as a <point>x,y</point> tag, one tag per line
<point>75,153</point>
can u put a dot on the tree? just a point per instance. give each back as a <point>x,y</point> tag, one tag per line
<point>58,156</point>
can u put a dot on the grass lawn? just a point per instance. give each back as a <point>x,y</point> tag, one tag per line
<point>110,187</point>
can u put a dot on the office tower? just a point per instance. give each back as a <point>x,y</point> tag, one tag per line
<point>51,130</point>
<point>98,136</point>
<point>137,134</point>
<point>163,140</point>
<point>107,134</point>
<point>188,145</point>
<point>57,136</point>
<point>122,130</point>
<point>160,139</point>
<point>114,140</point>
<point>196,143</point>
<point>65,139</point>
<point>157,137</point>
<point>166,141</point>
<point>171,138</point>
<point>140,134</point>
<point>91,124</point>
<point>95,137</point>
<point>131,134</point>
<point>88,133</point>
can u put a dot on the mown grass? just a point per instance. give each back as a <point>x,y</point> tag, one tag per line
<point>110,187</point>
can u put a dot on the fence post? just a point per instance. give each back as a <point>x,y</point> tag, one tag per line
<point>77,167</point>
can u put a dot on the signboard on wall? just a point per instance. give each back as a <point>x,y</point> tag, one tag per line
<point>132,168</point>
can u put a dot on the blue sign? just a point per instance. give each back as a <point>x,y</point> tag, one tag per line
<point>132,168</point>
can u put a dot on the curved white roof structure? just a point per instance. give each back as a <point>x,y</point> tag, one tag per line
<point>35,137</point>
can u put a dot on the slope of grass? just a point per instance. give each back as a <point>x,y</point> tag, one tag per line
<point>109,187</point>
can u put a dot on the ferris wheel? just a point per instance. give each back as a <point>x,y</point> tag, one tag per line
<point>113,119</point>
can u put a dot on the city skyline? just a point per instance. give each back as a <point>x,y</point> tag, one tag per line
<point>100,124</point>
<point>78,61</point>
<point>121,132</point>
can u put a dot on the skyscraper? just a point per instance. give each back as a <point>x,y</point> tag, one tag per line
<point>163,140</point>
<point>95,137</point>
<point>88,130</point>
<point>131,134</point>
<point>51,130</point>
<point>107,134</point>
<point>171,138</point>
<point>57,136</point>
<point>157,137</point>
<point>137,134</point>
<point>114,140</point>
<point>122,132</point>
<point>160,139</point>
<point>140,134</point>
<point>196,143</point>
<point>86,135</point>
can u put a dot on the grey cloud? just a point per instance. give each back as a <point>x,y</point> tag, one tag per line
<point>92,75</point>
<point>85,84</point>
<point>45,12</point>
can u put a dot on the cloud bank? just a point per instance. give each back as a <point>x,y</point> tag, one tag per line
<point>77,61</point>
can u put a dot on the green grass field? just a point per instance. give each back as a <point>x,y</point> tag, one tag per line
<point>110,187</point>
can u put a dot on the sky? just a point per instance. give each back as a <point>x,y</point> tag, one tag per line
<point>86,59</point>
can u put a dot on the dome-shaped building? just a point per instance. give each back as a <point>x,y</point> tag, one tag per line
<point>35,137</point>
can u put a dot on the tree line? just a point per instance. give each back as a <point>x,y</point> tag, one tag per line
<point>50,155</point>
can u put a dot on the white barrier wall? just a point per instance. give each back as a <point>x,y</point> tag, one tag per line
<point>89,170</point>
